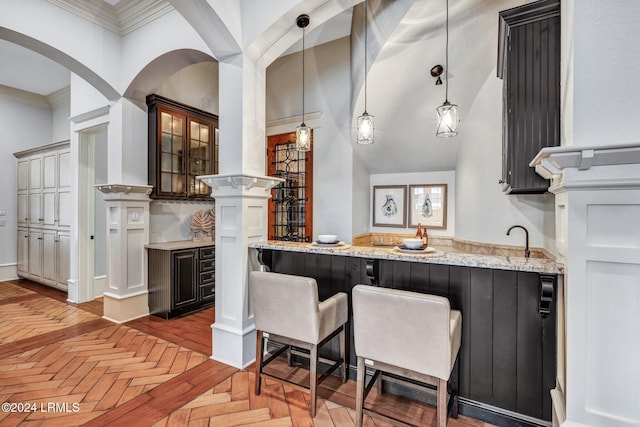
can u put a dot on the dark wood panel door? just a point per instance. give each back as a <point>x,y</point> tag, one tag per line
<point>185,281</point>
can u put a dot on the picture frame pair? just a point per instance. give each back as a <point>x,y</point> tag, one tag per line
<point>425,204</point>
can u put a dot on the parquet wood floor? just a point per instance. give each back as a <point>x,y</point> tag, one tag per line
<point>149,372</point>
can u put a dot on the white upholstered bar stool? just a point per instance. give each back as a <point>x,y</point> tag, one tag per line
<point>408,334</point>
<point>286,310</point>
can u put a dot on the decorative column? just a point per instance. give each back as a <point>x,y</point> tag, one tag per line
<point>241,219</point>
<point>126,295</point>
<point>597,192</point>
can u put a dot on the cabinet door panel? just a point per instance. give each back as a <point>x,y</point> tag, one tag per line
<point>49,209</point>
<point>63,250</point>
<point>49,256</point>
<point>64,209</point>
<point>23,209</point>
<point>35,174</point>
<point>63,169</point>
<point>23,175</point>
<point>49,170</point>
<point>35,250</point>
<point>35,210</point>
<point>22,264</point>
<point>184,277</point>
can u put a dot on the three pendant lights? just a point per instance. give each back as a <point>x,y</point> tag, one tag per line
<point>447,113</point>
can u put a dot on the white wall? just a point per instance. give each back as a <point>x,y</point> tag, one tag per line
<point>170,220</point>
<point>23,126</point>
<point>195,85</point>
<point>361,219</point>
<point>441,177</point>
<point>327,82</point>
<point>485,213</point>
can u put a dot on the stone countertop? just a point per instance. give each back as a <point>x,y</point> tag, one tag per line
<point>177,245</point>
<point>536,265</point>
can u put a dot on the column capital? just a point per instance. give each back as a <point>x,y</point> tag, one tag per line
<point>125,192</point>
<point>234,185</point>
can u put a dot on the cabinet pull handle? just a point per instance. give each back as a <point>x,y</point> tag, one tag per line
<point>39,238</point>
<point>40,219</point>
<point>501,181</point>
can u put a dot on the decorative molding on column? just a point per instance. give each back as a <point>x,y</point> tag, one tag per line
<point>125,192</point>
<point>597,202</point>
<point>578,168</point>
<point>241,218</point>
<point>234,184</point>
<point>126,293</point>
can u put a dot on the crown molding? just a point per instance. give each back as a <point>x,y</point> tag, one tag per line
<point>60,98</point>
<point>24,97</point>
<point>121,19</point>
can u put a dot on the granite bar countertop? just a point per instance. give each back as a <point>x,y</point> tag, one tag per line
<point>536,265</point>
<point>177,245</point>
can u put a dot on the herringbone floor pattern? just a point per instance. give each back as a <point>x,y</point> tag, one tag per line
<point>148,372</point>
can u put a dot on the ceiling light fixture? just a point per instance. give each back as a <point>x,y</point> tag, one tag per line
<point>303,132</point>
<point>447,112</point>
<point>365,121</point>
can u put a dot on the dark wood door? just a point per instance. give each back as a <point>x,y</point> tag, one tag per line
<point>184,277</point>
<point>291,203</point>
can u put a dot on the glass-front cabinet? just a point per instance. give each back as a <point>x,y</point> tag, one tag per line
<point>183,144</point>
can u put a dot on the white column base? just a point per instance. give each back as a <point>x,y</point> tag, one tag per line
<point>233,347</point>
<point>123,309</point>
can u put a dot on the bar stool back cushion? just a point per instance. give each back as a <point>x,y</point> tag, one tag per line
<point>288,305</point>
<point>407,329</point>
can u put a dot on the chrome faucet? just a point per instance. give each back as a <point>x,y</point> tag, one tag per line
<point>527,252</point>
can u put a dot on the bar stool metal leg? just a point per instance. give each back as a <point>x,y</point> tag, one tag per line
<point>259,355</point>
<point>360,376</point>
<point>313,379</point>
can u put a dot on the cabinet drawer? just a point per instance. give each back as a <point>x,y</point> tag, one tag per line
<point>207,277</point>
<point>208,292</point>
<point>207,252</point>
<point>207,264</point>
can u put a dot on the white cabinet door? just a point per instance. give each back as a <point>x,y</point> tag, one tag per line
<point>23,252</point>
<point>63,209</point>
<point>23,210</point>
<point>64,165</point>
<point>35,174</point>
<point>35,254</point>
<point>49,171</point>
<point>35,210</point>
<point>49,238</point>
<point>23,176</point>
<point>63,259</point>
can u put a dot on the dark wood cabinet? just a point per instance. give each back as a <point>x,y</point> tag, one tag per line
<point>181,279</point>
<point>183,144</point>
<point>508,349</point>
<point>529,64</point>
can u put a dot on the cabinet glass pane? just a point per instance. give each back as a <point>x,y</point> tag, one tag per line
<point>176,183</point>
<point>166,122</point>
<point>177,126</point>
<point>166,183</point>
<point>166,142</point>
<point>177,164</point>
<point>166,162</point>
<point>177,145</point>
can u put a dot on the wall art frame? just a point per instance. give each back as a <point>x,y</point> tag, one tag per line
<point>390,206</point>
<point>428,205</point>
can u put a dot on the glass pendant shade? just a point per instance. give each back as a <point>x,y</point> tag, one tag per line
<point>365,129</point>
<point>303,138</point>
<point>447,120</point>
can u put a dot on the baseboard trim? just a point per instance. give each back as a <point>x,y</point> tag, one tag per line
<point>8,272</point>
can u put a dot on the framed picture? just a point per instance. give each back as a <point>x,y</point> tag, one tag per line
<point>428,205</point>
<point>390,206</point>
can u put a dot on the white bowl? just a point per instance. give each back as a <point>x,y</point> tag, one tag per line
<point>413,243</point>
<point>327,238</point>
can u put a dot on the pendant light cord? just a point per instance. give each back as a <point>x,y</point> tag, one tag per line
<point>303,31</point>
<point>366,24</point>
<point>446,66</point>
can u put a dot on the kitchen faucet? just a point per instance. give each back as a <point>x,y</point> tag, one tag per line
<point>527,252</point>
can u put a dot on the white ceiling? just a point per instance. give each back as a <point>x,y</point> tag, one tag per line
<point>29,71</point>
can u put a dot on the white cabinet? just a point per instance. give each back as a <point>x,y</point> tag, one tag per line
<point>44,214</point>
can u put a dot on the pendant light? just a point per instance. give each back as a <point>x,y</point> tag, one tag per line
<point>365,121</point>
<point>303,132</point>
<point>447,112</point>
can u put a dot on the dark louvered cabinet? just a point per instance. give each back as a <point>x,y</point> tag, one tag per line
<point>181,278</point>
<point>529,64</point>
